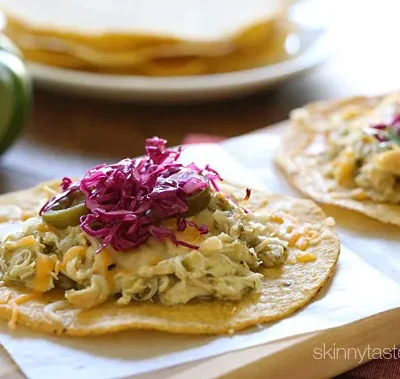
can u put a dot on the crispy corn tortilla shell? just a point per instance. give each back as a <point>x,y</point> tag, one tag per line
<point>173,59</point>
<point>253,35</point>
<point>141,22</point>
<point>284,290</point>
<point>169,66</point>
<point>139,38</point>
<point>307,176</point>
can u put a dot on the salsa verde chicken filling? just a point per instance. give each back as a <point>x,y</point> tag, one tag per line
<point>364,154</point>
<point>149,229</point>
<point>347,153</point>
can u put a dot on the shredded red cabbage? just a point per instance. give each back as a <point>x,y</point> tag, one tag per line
<point>65,183</point>
<point>128,200</point>
<point>390,132</point>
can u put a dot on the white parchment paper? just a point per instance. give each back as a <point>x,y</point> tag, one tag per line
<point>347,298</point>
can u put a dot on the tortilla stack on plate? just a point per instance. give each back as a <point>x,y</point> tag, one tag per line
<point>154,244</point>
<point>347,153</point>
<point>150,37</point>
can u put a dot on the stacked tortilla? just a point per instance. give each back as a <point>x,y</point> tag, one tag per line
<point>149,37</point>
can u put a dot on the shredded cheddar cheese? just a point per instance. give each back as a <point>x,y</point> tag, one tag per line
<point>302,243</point>
<point>155,260</point>
<point>23,242</point>
<point>28,214</point>
<point>359,194</point>
<point>15,309</point>
<point>301,238</point>
<point>57,267</point>
<point>191,235</point>
<point>121,271</point>
<point>343,168</point>
<point>102,261</point>
<point>45,265</point>
<point>43,228</point>
<point>305,257</point>
<point>294,238</point>
<point>277,218</point>
<point>76,251</point>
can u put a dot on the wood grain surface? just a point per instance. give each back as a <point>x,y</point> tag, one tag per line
<point>66,132</point>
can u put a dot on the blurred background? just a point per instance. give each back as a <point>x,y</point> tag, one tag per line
<point>108,74</point>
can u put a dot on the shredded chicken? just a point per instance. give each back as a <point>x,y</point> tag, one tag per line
<point>227,264</point>
<point>357,159</point>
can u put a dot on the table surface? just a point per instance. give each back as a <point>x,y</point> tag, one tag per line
<point>72,132</point>
<point>77,131</point>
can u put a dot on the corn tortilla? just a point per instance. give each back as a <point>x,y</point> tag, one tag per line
<point>284,289</point>
<point>306,174</point>
<point>115,43</point>
<point>261,46</point>
<point>139,37</point>
<point>143,21</point>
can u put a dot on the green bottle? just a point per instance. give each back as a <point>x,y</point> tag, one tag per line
<point>15,93</point>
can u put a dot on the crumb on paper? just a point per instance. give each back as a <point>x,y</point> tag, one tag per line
<point>330,221</point>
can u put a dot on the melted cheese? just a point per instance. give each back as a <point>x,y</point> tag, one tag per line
<point>190,235</point>
<point>45,265</point>
<point>145,255</point>
<point>344,167</point>
<point>57,267</point>
<point>76,251</point>
<point>389,161</point>
<point>43,228</point>
<point>101,263</point>
<point>23,242</point>
<point>121,271</point>
<point>110,280</point>
<point>15,309</point>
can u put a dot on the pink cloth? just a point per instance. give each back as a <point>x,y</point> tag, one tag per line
<point>376,369</point>
<point>201,138</point>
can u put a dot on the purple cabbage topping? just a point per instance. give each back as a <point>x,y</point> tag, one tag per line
<point>128,200</point>
<point>387,133</point>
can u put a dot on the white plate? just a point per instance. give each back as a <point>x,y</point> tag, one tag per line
<point>312,45</point>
